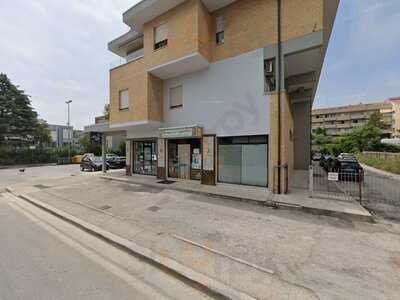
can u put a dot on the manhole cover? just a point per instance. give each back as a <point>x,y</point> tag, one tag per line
<point>105,207</point>
<point>166,181</point>
<point>41,186</point>
<point>154,208</point>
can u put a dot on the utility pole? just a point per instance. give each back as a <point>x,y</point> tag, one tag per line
<point>68,102</point>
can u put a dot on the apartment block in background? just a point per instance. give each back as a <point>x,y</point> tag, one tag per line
<point>62,135</point>
<point>341,120</point>
<point>219,91</point>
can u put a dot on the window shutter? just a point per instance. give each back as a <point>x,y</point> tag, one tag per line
<point>160,33</point>
<point>220,24</point>
<point>176,97</point>
<point>124,99</point>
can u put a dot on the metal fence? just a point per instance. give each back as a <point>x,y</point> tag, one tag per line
<point>378,191</point>
<point>381,192</point>
<point>381,155</point>
<point>346,186</point>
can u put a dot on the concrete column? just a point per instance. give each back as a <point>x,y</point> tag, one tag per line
<point>161,158</point>
<point>103,152</point>
<point>286,146</point>
<point>128,145</point>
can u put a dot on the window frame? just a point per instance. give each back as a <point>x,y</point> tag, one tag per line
<point>175,106</point>
<point>119,100</point>
<point>163,43</point>
<point>219,32</point>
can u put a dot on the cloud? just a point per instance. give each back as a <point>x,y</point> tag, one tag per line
<point>57,50</point>
<point>362,59</point>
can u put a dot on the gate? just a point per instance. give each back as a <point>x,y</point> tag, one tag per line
<point>335,185</point>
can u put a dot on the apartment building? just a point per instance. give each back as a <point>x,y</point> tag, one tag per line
<point>341,120</point>
<point>219,91</point>
<point>62,135</point>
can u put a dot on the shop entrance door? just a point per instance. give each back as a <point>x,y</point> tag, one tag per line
<point>184,161</point>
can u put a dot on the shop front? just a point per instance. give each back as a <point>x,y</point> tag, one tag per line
<point>243,160</point>
<point>145,157</point>
<point>183,153</point>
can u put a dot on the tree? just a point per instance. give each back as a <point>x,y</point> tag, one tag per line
<point>320,140</point>
<point>17,118</point>
<point>87,145</point>
<point>106,111</point>
<point>364,138</point>
<point>42,135</point>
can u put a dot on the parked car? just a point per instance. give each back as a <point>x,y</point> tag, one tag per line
<point>116,162</point>
<point>92,163</point>
<point>350,170</point>
<point>328,163</point>
<point>350,156</point>
<point>317,157</point>
<point>87,155</point>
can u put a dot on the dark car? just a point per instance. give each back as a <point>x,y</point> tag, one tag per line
<point>350,170</point>
<point>317,156</point>
<point>92,163</point>
<point>328,163</point>
<point>116,162</point>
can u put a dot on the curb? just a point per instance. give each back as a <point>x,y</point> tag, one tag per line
<point>180,189</point>
<point>167,264</point>
<point>26,166</point>
<point>268,202</point>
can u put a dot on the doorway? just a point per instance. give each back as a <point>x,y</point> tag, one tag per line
<point>184,159</point>
<point>145,158</point>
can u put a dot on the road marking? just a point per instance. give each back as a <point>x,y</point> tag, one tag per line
<point>149,291</point>
<point>223,254</point>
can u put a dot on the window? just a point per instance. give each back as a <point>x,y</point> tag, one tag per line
<point>160,36</point>
<point>124,99</point>
<point>269,75</point>
<point>176,97</point>
<point>220,36</point>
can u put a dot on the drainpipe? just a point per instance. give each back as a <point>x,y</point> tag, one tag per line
<point>279,72</point>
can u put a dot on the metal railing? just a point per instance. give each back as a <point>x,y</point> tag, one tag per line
<point>338,185</point>
<point>381,192</point>
<point>131,57</point>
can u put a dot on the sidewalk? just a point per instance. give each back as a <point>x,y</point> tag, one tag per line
<point>296,199</point>
<point>224,274</point>
<point>239,249</point>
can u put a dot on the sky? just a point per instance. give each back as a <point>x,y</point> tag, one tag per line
<point>57,51</point>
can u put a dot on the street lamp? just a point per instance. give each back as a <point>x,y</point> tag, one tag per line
<point>68,102</point>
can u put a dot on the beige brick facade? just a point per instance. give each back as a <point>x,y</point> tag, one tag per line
<point>249,25</point>
<point>286,145</point>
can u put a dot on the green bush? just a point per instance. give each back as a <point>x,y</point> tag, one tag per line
<point>391,165</point>
<point>21,156</point>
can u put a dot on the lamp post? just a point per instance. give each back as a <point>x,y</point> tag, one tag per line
<point>68,102</point>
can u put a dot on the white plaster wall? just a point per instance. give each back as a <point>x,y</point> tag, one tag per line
<point>227,99</point>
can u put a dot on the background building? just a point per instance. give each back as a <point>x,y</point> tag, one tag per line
<point>62,135</point>
<point>341,120</point>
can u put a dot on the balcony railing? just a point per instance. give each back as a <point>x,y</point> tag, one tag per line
<point>131,57</point>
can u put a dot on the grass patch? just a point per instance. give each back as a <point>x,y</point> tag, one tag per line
<point>391,165</point>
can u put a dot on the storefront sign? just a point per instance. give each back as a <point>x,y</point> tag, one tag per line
<point>161,153</point>
<point>208,153</point>
<point>333,176</point>
<point>181,132</point>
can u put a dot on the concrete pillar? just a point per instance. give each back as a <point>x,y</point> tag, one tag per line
<point>103,152</point>
<point>286,145</point>
<point>161,158</point>
<point>128,145</point>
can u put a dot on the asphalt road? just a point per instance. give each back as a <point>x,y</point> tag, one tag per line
<point>43,257</point>
<point>13,176</point>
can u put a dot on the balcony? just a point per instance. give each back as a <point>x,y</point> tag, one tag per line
<point>130,57</point>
